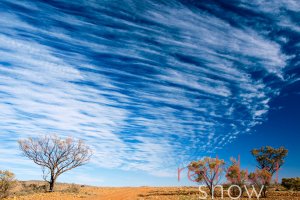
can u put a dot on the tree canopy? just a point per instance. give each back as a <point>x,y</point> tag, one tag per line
<point>55,155</point>
<point>269,158</point>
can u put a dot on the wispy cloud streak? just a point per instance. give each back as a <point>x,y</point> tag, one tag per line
<point>148,85</point>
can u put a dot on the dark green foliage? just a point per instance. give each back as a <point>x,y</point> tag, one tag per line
<point>291,183</point>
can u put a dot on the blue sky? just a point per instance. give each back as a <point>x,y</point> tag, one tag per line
<point>149,85</point>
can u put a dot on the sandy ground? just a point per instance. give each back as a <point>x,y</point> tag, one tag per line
<point>138,193</point>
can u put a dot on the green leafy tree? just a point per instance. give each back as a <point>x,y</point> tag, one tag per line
<point>208,171</point>
<point>270,158</point>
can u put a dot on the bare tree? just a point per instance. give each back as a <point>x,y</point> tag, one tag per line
<point>55,155</point>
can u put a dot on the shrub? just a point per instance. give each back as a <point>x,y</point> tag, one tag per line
<point>72,189</point>
<point>291,183</point>
<point>7,183</point>
<point>35,188</point>
<point>236,176</point>
<point>261,179</point>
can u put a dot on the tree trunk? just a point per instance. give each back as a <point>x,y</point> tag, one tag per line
<point>265,192</point>
<point>52,183</point>
<point>211,192</point>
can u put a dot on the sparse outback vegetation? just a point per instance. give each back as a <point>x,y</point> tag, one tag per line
<point>261,179</point>
<point>291,183</point>
<point>7,183</point>
<point>55,155</point>
<point>236,176</point>
<point>142,193</point>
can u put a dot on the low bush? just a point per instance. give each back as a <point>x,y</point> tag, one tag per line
<point>73,188</point>
<point>34,188</point>
<point>7,183</point>
<point>291,183</point>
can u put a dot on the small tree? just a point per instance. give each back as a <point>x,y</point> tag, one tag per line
<point>236,176</point>
<point>270,158</point>
<point>7,182</point>
<point>261,179</point>
<point>208,171</point>
<point>55,155</point>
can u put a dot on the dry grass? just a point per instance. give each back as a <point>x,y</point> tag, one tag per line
<point>77,192</point>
